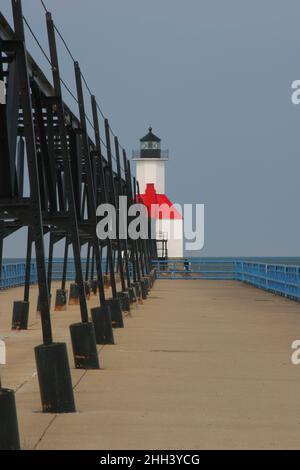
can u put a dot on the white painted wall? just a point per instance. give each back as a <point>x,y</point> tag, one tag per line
<point>173,231</point>
<point>151,171</point>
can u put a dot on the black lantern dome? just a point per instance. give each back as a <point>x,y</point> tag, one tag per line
<point>150,145</point>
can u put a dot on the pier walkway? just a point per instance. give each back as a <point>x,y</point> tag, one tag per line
<point>201,365</point>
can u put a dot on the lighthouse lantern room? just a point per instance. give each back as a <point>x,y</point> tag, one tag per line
<point>150,173</point>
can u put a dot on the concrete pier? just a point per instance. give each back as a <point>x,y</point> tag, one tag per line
<point>200,365</point>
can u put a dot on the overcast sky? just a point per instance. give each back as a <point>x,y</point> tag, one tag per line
<point>213,78</point>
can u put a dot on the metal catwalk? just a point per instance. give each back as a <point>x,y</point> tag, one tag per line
<point>70,173</point>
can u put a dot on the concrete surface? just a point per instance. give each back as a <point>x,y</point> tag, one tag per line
<point>201,365</point>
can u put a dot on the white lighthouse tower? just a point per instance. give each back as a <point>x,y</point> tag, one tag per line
<point>150,173</point>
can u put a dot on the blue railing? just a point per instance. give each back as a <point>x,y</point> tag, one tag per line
<point>13,275</point>
<point>195,268</point>
<point>277,278</point>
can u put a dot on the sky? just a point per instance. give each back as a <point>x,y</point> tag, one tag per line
<point>213,78</point>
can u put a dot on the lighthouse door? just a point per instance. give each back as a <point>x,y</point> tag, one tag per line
<point>162,246</point>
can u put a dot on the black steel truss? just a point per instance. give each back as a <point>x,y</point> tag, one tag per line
<point>68,176</point>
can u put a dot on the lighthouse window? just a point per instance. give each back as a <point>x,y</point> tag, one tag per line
<point>150,146</point>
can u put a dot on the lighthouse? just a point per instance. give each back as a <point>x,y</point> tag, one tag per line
<point>151,162</point>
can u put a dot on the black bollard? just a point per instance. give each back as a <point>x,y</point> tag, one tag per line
<point>20,315</point>
<point>144,288</point>
<point>94,286</point>
<point>87,290</point>
<point>116,313</point>
<point>103,326</point>
<point>54,378</point>
<point>138,290</point>
<point>9,431</point>
<point>137,287</point>
<point>61,300</point>
<point>132,294</point>
<point>148,283</point>
<point>84,346</point>
<point>151,277</point>
<point>124,301</point>
<point>74,295</point>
